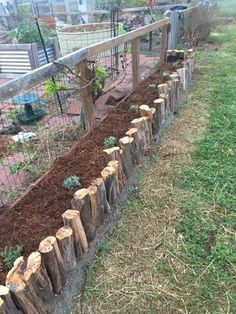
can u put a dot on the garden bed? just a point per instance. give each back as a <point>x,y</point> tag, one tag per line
<point>38,214</point>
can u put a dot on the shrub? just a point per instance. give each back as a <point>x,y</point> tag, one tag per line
<point>10,254</point>
<point>71,182</point>
<point>134,107</point>
<point>110,141</point>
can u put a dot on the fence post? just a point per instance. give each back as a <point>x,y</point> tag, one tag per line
<point>86,93</point>
<point>33,56</point>
<point>164,43</point>
<point>174,21</point>
<point>135,44</point>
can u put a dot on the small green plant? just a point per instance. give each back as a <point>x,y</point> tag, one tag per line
<point>71,182</point>
<point>134,107</point>
<point>110,141</point>
<point>52,88</point>
<point>166,73</point>
<point>10,254</point>
<point>12,115</point>
<point>152,87</point>
<point>100,77</point>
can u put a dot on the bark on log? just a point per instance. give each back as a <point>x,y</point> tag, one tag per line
<point>166,99</point>
<point>109,178</point>
<point>129,155</point>
<point>159,104</point>
<point>30,285</point>
<point>7,305</point>
<point>65,240</point>
<point>96,206</point>
<point>53,262</point>
<point>71,218</point>
<point>183,83</point>
<point>155,122</point>
<point>81,202</point>
<point>115,153</point>
<point>102,195</point>
<point>176,83</point>
<point>145,132</point>
<point>115,165</point>
<point>133,132</point>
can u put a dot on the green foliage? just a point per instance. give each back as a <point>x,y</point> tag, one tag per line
<point>152,87</point>
<point>134,107</point>
<point>100,76</point>
<point>27,33</point>
<point>166,73</point>
<point>51,88</point>
<point>110,141</point>
<point>71,182</point>
<point>12,115</point>
<point>121,31</point>
<point>10,254</point>
<point>27,167</point>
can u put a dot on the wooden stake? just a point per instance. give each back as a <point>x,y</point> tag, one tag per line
<point>145,132</point>
<point>96,206</point>
<point>115,153</point>
<point>159,104</point>
<point>7,305</point>
<point>164,43</point>
<point>130,155</point>
<point>150,113</point>
<point>71,218</point>
<point>133,132</point>
<point>109,178</point>
<point>53,262</point>
<point>101,196</point>
<point>115,165</point>
<point>135,47</point>
<point>30,285</point>
<point>65,240</point>
<point>81,202</point>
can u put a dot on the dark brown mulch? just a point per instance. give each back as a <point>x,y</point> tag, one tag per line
<point>38,214</point>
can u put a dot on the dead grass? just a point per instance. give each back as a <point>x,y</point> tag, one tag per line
<point>132,279</point>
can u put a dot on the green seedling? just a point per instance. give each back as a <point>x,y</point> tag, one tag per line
<point>10,254</point>
<point>134,107</point>
<point>166,73</point>
<point>110,141</point>
<point>71,182</point>
<point>152,87</point>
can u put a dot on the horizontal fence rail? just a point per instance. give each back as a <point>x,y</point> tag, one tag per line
<point>45,72</point>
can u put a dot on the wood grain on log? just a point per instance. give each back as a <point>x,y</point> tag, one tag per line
<point>102,195</point>
<point>65,240</point>
<point>53,262</point>
<point>145,132</point>
<point>133,132</point>
<point>7,305</point>
<point>109,178</point>
<point>96,206</point>
<point>72,219</point>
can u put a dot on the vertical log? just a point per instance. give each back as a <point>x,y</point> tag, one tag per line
<point>135,46</point>
<point>173,35</point>
<point>145,132</point>
<point>96,206</point>
<point>109,178</point>
<point>7,305</point>
<point>65,240</point>
<point>133,132</point>
<point>129,155</point>
<point>81,202</point>
<point>72,219</point>
<point>159,104</point>
<point>151,114</point>
<point>53,262</point>
<point>164,43</point>
<point>102,195</point>
<point>115,165</point>
<point>86,93</point>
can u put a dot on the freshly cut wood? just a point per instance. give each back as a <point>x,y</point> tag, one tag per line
<point>133,132</point>
<point>109,177</point>
<point>65,240</point>
<point>96,206</point>
<point>102,195</point>
<point>183,83</point>
<point>167,103</point>
<point>71,218</point>
<point>145,111</point>
<point>171,95</point>
<point>30,285</point>
<point>7,305</point>
<point>115,153</point>
<point>159,104</point>
<point>53,262</point>
<point>145,132</point>
<point>162,89</point>
<point>190,53</point>
<point>155,123</point>
<point>81,202</point>
<point>129,155</point>
<point>115,165</point>
<point>176,84</point>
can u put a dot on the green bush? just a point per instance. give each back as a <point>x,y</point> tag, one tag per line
<point>10,254</point>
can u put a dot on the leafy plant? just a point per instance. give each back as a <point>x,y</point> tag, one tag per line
<point>71,182</point>
<point>100,76</point>
<point>134,107</point>
<point>12,115</point>
<point>110,141</point>
<point>27,33</point>
<point>166,73</point>
<point>52,88</point>
<point>10,254</point>
<point>152,87</point>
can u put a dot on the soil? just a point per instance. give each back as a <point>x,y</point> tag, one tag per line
<point>86,28</point>
<point>38,214</point>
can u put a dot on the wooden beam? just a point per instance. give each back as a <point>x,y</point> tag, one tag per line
<point>86,93</point>
<point>135,43</point>
<point>164,43</point>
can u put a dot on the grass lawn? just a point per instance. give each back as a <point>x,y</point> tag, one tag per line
<point>174,249</point>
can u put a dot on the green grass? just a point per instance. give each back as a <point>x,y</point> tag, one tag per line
<point>227,8</point>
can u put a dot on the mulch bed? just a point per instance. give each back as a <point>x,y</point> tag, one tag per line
<point>38,214</point>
